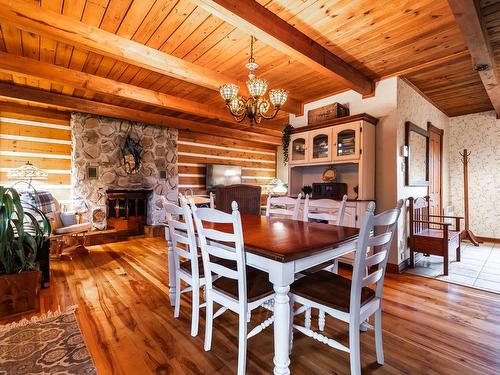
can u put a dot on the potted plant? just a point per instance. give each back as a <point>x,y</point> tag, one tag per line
<point>307,190</point>
<point>22,233</point>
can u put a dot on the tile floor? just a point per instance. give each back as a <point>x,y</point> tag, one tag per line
<point>479,267</point>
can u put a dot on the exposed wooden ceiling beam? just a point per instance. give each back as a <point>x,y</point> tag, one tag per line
<point>30,17</point>
<point>256,20</point>
<point>468,17</point>
<point>103,109</point>
<point>74,78</point>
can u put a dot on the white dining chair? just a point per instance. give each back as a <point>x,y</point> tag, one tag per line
<point>352,301</point>
<point>283,203</point>
<point>238,288</point>
<point>325,209</point>
<point>187,264</point>
<point>199,200</point>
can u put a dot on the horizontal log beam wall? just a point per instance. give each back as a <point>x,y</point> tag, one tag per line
<point>196,150</point>
<point>42,137</point>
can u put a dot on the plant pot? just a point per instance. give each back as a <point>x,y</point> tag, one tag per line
<point>19,293</point>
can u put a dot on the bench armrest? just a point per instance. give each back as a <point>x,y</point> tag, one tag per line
<point>447,217</point>
<point>456,218</point>
<point>432,222</point>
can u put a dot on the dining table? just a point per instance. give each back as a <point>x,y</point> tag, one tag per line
<point>283,248</point>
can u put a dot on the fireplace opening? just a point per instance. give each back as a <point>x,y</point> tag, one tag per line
<point>127,211</point>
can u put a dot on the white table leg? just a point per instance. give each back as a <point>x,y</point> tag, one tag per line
<point>281,276</point>
<point>281,330</point>
<point>171,273</point>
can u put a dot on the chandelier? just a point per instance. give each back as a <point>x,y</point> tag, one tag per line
<point>256,107</point>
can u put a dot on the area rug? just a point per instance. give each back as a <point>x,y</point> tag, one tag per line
<point>49,344</point>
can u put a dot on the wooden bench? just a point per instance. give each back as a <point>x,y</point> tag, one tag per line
<point>429,234</point>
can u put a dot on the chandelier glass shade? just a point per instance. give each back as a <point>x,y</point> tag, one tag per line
<point>256,106</point>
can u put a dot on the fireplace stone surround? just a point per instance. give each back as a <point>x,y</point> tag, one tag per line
<point>97,143</point>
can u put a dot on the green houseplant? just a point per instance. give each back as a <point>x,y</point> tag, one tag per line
<point>19,274</point>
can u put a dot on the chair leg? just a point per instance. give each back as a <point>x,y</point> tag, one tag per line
<point>321,320</point>
<point>291,325</point>
<point>379,346</point>
<point>412,259</point>
<point>177,307</point>
<point>242,344</point>
<point>354,348</point>
<point>209,322</point>
<point>195,315</point>
<point>307,322</point>
<point>458,250</point>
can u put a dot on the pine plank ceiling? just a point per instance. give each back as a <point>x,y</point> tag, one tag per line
<point>416,39</point>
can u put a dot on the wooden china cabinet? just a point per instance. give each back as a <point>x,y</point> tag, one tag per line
<point>346,144</point>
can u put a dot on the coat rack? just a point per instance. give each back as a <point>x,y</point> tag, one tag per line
<point>467,233</point>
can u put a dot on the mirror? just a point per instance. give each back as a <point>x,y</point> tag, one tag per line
<point>417,161</point>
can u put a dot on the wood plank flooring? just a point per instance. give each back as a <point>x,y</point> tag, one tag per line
<point>430,327</point>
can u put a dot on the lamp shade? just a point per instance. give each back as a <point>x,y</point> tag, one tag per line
<point>257,87</point>
<point>27,172</point>
<point>234,104</point>
<point>229,91</point>
<point>278,97</point>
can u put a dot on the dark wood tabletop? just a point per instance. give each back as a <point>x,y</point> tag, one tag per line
<point>285,240</point>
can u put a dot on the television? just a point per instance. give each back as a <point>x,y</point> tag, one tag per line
<point>218,174</point>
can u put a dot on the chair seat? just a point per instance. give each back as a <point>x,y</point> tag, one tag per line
<point>437,233</point>
<point>258,285</point>
<point>75,228</point>
<point>329,289</point>
<point>186,266</point>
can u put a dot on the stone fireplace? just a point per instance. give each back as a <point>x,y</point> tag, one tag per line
<point>97,165</point>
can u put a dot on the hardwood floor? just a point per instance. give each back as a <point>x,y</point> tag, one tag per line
<point>430,327</point>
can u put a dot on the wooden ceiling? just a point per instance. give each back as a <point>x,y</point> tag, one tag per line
<point>418,39</point>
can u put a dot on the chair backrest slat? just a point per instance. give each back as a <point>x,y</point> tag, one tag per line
<point>328,209</point>
<point>373,277</point>
<point>217,235</point>
<point>283,202</point>
<point>364,273</point>
<point>223,271</point>
<point>222,245</point>
<point>376,258</point>
<point>220,253</point>
<point>182,232</point>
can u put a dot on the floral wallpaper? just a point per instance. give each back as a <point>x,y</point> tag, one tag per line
<point>479,133</point>
<point>412,106</point>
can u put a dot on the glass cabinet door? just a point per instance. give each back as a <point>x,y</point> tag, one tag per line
<point>346,142</point>
<point>320,145</point>
<point>298,152</point>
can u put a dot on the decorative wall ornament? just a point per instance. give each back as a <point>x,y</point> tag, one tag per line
<point>330,174</point>
<point>131,155</point>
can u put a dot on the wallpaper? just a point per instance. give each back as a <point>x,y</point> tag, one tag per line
<point>479,133</point>
<point>412,106</point>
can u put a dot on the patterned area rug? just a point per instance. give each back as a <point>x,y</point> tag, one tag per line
<point>50,344</point>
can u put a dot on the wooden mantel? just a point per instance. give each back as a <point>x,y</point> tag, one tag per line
<point>338,121</point>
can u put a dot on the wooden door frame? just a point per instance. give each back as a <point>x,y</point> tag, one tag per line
<point>440,132</point>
